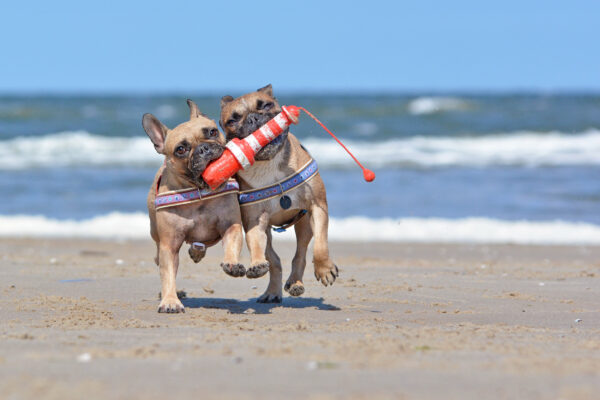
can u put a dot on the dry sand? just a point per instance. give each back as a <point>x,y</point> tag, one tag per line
<point>79,320</point>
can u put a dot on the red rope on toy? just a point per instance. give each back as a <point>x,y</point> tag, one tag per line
<point>367,173</point>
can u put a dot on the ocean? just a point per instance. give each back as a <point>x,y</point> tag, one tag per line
<point>497,168</point>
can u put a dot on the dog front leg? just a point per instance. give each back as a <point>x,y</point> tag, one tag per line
<point>325,270</point>
<point>233,239</point>
<point>256,239</point>
<point>169,263</point>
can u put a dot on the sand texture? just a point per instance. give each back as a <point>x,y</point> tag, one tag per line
<point>78,320</point>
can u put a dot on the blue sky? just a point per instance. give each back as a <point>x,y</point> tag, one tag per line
<point>78,46</point>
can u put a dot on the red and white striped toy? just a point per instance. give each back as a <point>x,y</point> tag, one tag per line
<point>239,154</point>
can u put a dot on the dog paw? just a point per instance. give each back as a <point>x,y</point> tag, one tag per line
<point>269,298</point>
<point>295,288</point>
<point>258,270</point>
<point>235,270</point>
<point>197,252</point>
<point>171,306</point>
<point>327,275</point>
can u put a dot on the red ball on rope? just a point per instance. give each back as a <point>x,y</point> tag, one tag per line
<point>369,175</point>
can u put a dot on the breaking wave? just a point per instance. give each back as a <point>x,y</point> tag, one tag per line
<point>523,148</point>
<point>465,230</point>
<point>431,105</point>
<point>77,148</point>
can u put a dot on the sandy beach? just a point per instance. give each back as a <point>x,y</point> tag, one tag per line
<point>403,321</point>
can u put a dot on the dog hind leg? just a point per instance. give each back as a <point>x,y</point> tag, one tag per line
<point>273,293</point>
<point>325,270</point>
<point>294,285</point>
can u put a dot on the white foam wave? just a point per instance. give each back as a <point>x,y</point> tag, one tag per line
<point>516,149</point>
<point>113,225</point>
<point>76,148</point>
<point>526,148</point>
<point>431,105</point>
<point>467,230</point>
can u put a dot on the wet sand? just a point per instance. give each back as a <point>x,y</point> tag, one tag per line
<point>408,321</point>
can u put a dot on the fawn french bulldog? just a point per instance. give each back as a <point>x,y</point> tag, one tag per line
<point>188,148</point>
<point>305,204</point>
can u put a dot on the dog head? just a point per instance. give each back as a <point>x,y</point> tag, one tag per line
<point>189,147</point>
<point>242,116</point>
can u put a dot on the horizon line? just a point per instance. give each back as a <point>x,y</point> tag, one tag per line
<point>300,92</point>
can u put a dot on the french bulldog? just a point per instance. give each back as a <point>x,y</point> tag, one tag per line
<point>280,159</point>
<point>188,148</point>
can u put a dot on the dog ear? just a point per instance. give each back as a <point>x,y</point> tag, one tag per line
<point>267,89</point>
<point>225,100</point>
<point>194,110</point>
<point>156,131</point>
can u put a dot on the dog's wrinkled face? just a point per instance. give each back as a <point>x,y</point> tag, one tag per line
<point>242,116</point>
<point>189,147</point>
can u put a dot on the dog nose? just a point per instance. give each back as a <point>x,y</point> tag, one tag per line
<point>203,148</point>
<point>252,120</point>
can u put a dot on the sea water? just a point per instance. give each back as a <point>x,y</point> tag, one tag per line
<point>508,168</point>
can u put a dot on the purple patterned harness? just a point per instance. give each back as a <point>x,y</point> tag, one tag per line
<point>191,195</point>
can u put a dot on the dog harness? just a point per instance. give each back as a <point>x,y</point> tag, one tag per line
<point>291,222</point>
<point>191,195</point>
<point>306,173</point>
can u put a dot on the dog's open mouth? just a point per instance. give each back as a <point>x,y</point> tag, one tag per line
<point>199,162</point>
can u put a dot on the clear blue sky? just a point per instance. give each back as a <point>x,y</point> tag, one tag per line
<point>80,46</point>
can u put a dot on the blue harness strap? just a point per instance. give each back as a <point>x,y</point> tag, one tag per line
<point>304,175</point>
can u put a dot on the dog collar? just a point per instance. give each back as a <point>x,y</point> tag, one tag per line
<point>253,196</point>
<point>191,195</point>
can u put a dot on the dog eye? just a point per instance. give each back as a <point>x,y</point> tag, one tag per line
<point>180,150</point>
<point>268,106</point>
<point>213,133</point>
<point>235,117</point>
